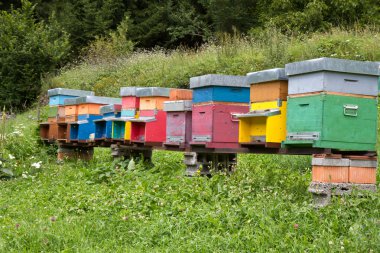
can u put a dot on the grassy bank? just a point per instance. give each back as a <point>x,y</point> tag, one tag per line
<point>115,206</point>
<point>231,56</point>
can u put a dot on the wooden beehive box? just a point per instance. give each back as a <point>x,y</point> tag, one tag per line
<point>152,98</point>
<point>149,127</point>
<point>180,94</point>
<point>178,122</point>
<point>219,88</point>
<point>44,131</point>
<point>103,126</point>
<point>332,121</point>
<point>129,98</point>
<point>83,130</point>
<point>333,75</point>
<point>265,124</point>
<point>268,85</point>
<point>59,95</point>
<point>215,126</point>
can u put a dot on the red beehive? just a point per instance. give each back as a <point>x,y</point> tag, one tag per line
<point>178,125</point>
<point>129,99</point>
<point>215,126</point>
<point>150,127</point>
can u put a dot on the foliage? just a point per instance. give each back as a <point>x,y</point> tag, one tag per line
<point>107,48</point>
<point>102,206</point>
<point>28,49</point>
<point>232,55</point>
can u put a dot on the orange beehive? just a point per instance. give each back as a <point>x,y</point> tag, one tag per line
<point>180,94</point>
<point>71,110</point>
<point>269,91</point>
<point>89,109</point>
<point>152,103</point>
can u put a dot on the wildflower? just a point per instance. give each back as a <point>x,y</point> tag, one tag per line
<point>1,162</point>
<point>296,226</point>
<point>331,243</point>
<point>37,165</point>
<point>125,218</point>
<point>17,225</point>
<point>11,157</point>
<point>53,218</point>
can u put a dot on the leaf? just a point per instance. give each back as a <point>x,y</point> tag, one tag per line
<point>8,172</point>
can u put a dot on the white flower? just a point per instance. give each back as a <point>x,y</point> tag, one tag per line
<point>11,157</point>
<point>1,162</point>
<point>37,165</point>
<point>330,243</point>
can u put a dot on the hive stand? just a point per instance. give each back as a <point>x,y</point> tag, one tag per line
<point>337,175</point>
<point>206,163</point>
<point>132,152</point>
<point>73,153</point>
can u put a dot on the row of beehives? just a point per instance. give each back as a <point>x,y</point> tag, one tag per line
<point>320,103</point>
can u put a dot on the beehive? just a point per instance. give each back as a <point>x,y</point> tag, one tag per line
<point>129,98</point>
<point>214,125</point>
<point>330,100</point>
<point>103,126</point>
<point>332,121</point>
<point>178,123</point>
<point>268,85</point>
<point>333,75</point>
<point>149,127</point>
<point>152,98</point>
<point>265,124</point>
<point>219,88</point>
<point>59,95</point>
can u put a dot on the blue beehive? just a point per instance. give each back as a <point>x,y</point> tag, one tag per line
<point>220,88</point>
<point>57,96</point>
<point>103,126</point>
<point>83,129</point>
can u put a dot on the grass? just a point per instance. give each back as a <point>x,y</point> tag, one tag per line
<point>111,206</point>
<point>236,56</point>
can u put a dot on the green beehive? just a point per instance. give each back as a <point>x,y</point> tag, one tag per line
<point>332,121</point>
<point>53,111</point>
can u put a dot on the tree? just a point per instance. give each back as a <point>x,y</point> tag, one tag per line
<point>28,50</point>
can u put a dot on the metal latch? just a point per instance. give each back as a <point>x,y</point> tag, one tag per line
<point>350,110</point>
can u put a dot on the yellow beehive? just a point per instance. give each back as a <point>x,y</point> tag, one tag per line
<point>265,123</point>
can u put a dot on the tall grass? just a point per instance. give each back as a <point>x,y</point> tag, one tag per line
<point>230,55</point>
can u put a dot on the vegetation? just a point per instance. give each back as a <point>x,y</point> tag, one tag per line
<point>113,206</point>
<point>233,55</point>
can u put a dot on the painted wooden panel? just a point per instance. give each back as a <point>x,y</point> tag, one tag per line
<point>61,113</point>
<point>118,129</point>
<point>153,131</point>
<point>332,121</point>
<point>103,130</point>
<point>152,103</point>
<point>52,111</point>
<point>59,99</point>
<point>180,94</point>
<point>44,131</point>
<point>221,94</point>
<point>71,118</point>
<point>71,110</point>
<point>53,131</point>
<point>216,123</point>
<point>52,119</point>
<point>269,91</point>
<point>261,129</point>
<point>128,112</point>
<point>178,128</point>
<point>130,102</point>
<point>89,108</point>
